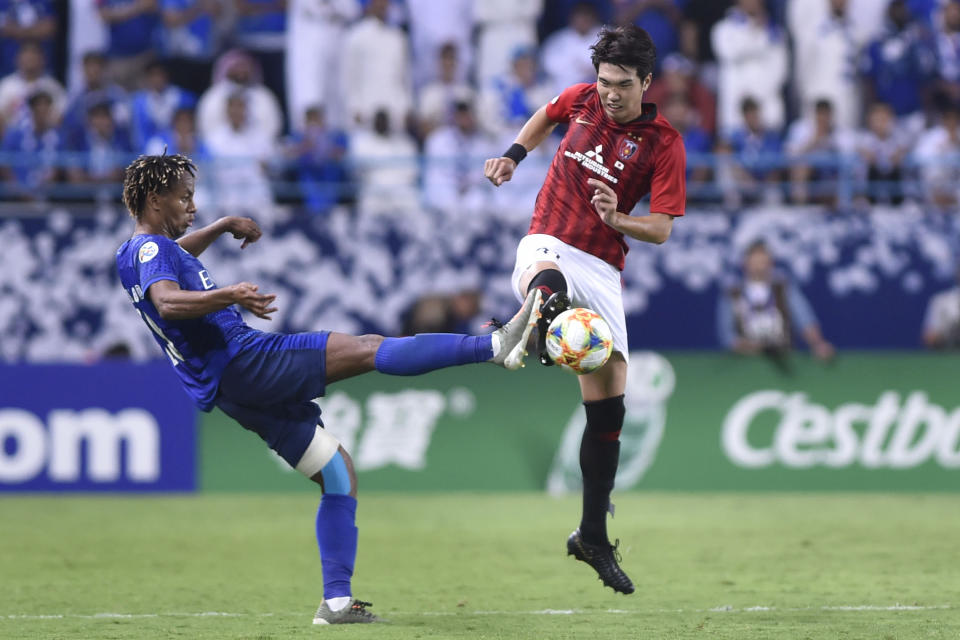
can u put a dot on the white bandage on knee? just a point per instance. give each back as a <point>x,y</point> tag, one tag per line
<point>319,452</point>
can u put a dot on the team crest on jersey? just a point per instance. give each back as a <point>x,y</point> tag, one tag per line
<point>627,149</point>
<point>148,251</point>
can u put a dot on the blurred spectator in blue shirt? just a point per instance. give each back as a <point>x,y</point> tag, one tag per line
<point>696,141</point>
<point>260,23</point>
<point>317,154</point>
<point>23,20</point>
<point>96,89</point>
<point>754,165</point>
<point>899,65</point>
<point>261,30</point>
<point>133,30</point>
<point>101,154</point>
<point>29,78</point>
<point>761,311</point>
<point>660,18</point>
<point>948,51</point>
<point>512,98</point>
<point>188,41</point>
<point>153,107</point>
<point>180,137</point>
<point>36,143</point>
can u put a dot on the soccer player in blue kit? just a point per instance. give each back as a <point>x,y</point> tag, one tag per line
<point>267,381</point>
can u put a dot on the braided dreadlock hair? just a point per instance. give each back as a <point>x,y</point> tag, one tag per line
<point>152,174</point>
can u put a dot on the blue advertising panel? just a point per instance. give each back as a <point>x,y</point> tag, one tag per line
<point>104,427</point>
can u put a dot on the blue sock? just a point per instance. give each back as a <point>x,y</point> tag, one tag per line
<point>428,351</point>
<point>337,539</point>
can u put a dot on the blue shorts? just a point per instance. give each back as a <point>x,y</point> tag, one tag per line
<point>269,389</point>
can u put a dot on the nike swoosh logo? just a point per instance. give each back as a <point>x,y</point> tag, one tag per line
<point>582,121</point>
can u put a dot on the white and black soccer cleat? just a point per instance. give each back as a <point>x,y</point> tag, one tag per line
<point>514,334</point>
<point>354,613</point>
<point>604,558</point>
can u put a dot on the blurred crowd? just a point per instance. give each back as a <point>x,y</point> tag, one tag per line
<point>394,103</point>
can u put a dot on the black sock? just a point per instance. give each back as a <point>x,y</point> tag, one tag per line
<point>549,281</point>
<point>599,455</point>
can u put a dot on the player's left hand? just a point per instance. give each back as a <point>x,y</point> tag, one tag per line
<point>244,229</point>
<point>604,200</point>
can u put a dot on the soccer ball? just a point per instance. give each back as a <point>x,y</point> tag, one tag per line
<point>579,340</point>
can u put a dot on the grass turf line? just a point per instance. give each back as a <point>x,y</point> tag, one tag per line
<point>477,566</point>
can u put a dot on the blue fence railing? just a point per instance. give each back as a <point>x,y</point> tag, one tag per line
<point>835,179</point>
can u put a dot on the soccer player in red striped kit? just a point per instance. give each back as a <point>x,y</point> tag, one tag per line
<point>616,150</point>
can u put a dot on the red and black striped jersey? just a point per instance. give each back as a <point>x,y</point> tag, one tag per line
<point>642,156</point>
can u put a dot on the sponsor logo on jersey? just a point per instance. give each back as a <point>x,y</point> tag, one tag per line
<point>149,251</point>
<point>627,149</point>
<point>592,160</point>
<point>580,120</point>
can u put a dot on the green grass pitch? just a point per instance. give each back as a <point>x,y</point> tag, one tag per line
<point>484,566</point>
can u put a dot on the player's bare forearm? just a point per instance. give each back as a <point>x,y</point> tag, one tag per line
<point>197,242</point>
<point>174,303</point>
<point>536,130</point>
<point>654,228</point>
<point>178,304</point>
<point>242,228</point>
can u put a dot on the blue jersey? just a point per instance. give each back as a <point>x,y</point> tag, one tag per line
<point>199,348</point>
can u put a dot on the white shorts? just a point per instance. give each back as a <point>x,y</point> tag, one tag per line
<point>591,282</point>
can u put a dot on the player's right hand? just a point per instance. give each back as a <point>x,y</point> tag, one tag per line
<point>499,170</point>
<point>245,294</point>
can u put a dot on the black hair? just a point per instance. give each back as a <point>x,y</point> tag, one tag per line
<point>32,45</point>
<point>102,106</point>
<point>757,245</point>
<point>94,56</point>
<point>625,46</point>
<point>38,96</point>
<point>823,104</point>
<point>152,174</point>
<point>156,65</point>
<point>749,103</point>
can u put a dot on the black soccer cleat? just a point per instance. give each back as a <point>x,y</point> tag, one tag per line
<point>604,558</point>
<point>553,306</point>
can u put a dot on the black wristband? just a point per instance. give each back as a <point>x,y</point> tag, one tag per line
<point>516,152</point>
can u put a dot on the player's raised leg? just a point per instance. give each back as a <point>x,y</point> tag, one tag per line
<point>546,277</point>
<point>349,356</point>
<point>599,456</point>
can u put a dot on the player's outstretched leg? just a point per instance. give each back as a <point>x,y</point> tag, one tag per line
<point>328,464</point>
<point>599,457</point>
<point>429,351</point>
<point>553,288</point>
